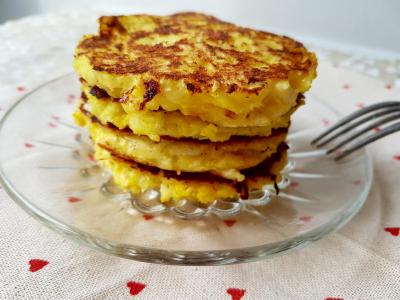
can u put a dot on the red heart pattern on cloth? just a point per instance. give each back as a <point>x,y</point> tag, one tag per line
<point>71,98</point>
<point>395,231</point>
<point>388,86</point>
<point>396,157</point>
<point>73,199</point>
<point>325,122</point>
<point>346,86</point>
<point>148,217</point>
<point>235,293</point>
<point>29,145</point>
<point>37,264</point>
<point>135,287</point>
<point>21,89</point>
<point>229,223</point>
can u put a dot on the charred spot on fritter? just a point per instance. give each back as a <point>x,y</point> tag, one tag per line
<point>255,75</point>
<point>119,46</point>
<point>98,92</point>
<point>193,88</point>
<point>232,88</point>
<point>242,189</point>
<point>152,88</point>
<point>83,97</point>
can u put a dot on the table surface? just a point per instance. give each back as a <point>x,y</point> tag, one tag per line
<point>360,261</point>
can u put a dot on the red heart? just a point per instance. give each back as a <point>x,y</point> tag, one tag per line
<point>37,264</point>
<point>28,145</point>
<point>330,298</point>
<point>21,89</point>
<point>229,223</point>
<point>148,217</point>
<point>388,86</point>
<point>377,129</point>
<point>73,199</point>
<point>71,98</point>
<point>325,122</point>
<point>135,287</point>
<point>397,157</point>
<point>345,86</point>
<point>395,231</point>
<point>235,293</point>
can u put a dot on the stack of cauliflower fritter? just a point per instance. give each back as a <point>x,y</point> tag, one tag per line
<point>190,105</point>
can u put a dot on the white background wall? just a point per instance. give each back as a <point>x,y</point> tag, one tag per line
<point>369,24</point>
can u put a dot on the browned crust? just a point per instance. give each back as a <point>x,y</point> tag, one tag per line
<point>116,50</point>
<point>261,170</point>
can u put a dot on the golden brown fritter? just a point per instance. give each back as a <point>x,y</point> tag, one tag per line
<point>203,187</point>
<point>156,124</point>
<point>139,58</point>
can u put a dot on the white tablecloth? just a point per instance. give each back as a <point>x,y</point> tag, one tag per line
<point>360,261</point>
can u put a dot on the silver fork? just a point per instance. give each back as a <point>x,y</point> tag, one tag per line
<point>356,128</point>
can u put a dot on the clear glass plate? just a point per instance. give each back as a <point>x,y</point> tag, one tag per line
<point>46,167</point>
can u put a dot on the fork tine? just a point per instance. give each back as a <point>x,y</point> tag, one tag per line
<point>364,130</point>
<point>386,131</point>
<point>354,115</point>
<point>353,125</point>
